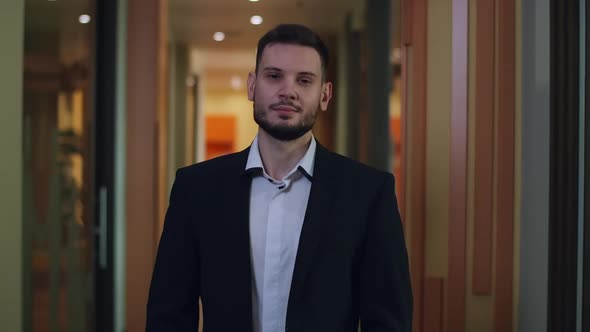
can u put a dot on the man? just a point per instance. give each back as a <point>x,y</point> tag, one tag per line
<point>284,236</point>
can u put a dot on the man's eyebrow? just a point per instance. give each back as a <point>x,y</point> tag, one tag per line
<point>272,69</point>
<point>308,73</point>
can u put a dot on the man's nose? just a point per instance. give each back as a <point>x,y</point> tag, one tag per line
<point>288,90</point>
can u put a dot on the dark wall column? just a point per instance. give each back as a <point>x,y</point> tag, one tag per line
<point>563,178</point>
<point>380,81</point>
<point>585,317</point>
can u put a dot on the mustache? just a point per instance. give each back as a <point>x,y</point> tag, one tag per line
<point>285,103</point>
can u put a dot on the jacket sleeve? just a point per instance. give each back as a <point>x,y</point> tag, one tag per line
<point>385,288</point>
<point>174,290</point>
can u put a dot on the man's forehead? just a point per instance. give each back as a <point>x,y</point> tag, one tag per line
<point>291,57</point>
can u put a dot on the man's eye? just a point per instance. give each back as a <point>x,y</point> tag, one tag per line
<point>305,81</point>
<point>273,76</point>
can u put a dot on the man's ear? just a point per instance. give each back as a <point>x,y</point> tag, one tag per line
<point>326,95</point>
<point>251,85</point>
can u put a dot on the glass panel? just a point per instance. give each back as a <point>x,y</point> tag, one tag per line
<point>58,75</point>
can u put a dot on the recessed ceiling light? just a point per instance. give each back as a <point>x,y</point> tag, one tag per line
<point>236,82</point>
<point>256,19</point>
<point>219,36</point>
<point>253,0</point>
<point>84,19</point>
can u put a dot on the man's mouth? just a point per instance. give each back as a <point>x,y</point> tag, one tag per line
<point>285,108</point>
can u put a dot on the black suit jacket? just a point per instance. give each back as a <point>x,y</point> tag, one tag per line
<point>351,261</point>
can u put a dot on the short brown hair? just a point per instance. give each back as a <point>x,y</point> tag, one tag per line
<point>294,34</point>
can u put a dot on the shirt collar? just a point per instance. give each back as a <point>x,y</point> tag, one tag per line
<point>305,165</point>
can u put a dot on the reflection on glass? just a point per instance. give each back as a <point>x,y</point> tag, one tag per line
<point>57,157</point>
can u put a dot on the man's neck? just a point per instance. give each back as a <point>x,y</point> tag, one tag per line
<point>279,157</point>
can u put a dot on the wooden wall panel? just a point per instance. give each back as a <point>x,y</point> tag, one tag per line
<point>162,81</point>
<point>401,177</point>
<point>415,48</point>
<point>484,148</point>
<point>458,168</point>
<point>433,305</point>
<point>407,16</point>
<point>505,176</point>
<point>144,104</point>
<point>417,161</point>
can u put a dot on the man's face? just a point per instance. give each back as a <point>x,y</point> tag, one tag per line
<point>288,90</point>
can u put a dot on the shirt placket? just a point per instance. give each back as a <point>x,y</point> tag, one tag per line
<point>273,262</point>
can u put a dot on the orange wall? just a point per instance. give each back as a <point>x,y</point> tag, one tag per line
<point>237,105</point>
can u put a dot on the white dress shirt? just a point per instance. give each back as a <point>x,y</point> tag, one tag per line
<point>277,209</point>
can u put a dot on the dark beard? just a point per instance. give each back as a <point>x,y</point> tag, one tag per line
<point>285,132</point>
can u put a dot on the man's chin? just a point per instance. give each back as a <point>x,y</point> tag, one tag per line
<point>285,134</point>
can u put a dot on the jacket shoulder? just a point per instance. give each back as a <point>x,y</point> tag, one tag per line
<point>351,168</point>
<point>218,166</point>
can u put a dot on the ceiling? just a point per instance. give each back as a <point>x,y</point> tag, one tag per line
<point>54,25</point>
<point>52,28</point>
<point>193,22</point>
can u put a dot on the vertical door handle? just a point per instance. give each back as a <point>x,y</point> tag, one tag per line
<point>101,231</point>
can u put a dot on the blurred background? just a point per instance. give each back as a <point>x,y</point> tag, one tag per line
<point>478,107</point>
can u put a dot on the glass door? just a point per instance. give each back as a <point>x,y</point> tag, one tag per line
<point>59,166</point>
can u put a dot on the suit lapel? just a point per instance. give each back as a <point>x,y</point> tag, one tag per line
<point>240,239</point>
<point>319,208</point>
